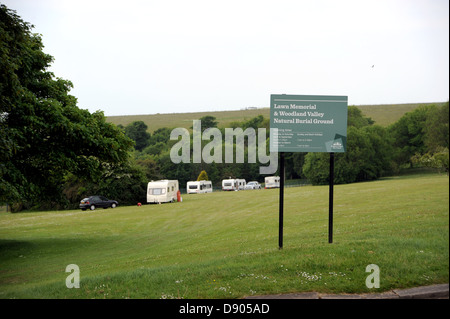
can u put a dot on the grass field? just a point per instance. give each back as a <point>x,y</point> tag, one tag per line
<point>173,120</point>
<point>381,114</point>
<point>225,244</point>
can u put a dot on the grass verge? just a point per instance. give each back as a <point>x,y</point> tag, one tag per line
<point>225,244</point>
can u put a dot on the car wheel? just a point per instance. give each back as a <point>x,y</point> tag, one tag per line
<point>92,207</point>
<point>113,205</point>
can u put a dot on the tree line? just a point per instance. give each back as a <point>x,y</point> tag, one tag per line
<point>419,138</point>
<point>52,153</point>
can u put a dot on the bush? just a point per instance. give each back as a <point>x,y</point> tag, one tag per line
<point>203,176</point>
<point>438,160</point>
<point>368,157</point>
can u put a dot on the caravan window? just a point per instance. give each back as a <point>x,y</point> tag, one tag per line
<point>227,184</point>
<point>192,186</point>
<point>156,191</point>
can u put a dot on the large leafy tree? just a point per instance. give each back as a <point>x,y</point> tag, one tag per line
<point>437,128</point>
<point>368,155</point>
<point>137,131</point>
<point>408,134</point>
<point>208,121</point>
<point>43,134</point>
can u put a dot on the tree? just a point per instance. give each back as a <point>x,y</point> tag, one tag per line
<point>158,141</point>
<point>149,166</point>
<point>208,121</point>
<point>368,157</point>
<point>161,135</point>
<point>408,135</point>
<point>356,118</point>
<point>43,134</point>
<point>202,176</point>
<point>214,173</point>
<point>137,131</point>
<point>254,123</point>
<point>436,139</point>
<point>316,168</point>
<point>437,128</point>
<point>438,160</point>
<point>125,182</point>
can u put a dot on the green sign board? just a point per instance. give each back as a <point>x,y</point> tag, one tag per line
<point>308,123</point>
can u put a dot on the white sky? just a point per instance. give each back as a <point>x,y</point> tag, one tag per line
<point>171,56</point>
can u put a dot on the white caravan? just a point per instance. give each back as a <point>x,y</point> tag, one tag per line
<point>272,182</point>
<point>199,187</point>
<point>233,184</point>
<point>162,191</point>
<point>230,185</point>
<point>241,184</point>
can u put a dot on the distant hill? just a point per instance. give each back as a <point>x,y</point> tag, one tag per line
<point>384,114</point>
<point>172,120</point>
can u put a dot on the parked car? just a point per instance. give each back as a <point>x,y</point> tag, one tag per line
<point>93,202</point>
<point>253,185</point>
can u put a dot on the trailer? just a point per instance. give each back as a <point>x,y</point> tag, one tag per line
<point>241,184</point>
<point>230,184</point>
<point>162,191</point>
<point>233,184</point>
<point>272,182</point>
<point>199,187</point>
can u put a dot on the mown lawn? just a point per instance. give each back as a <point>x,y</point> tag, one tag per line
<point>225,244</point>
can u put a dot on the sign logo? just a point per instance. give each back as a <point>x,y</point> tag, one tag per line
<point>337,145</point>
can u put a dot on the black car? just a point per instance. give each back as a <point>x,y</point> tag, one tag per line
<point>93,202</point>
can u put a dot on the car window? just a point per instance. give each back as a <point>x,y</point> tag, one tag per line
<point>103,198</point>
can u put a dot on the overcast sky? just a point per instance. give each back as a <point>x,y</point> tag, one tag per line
<point>171,56</point>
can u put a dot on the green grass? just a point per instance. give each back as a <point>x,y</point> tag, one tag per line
<point>387,114</point>
<point>173,120</point>
<point>225,244</point>
<point>383,115</point>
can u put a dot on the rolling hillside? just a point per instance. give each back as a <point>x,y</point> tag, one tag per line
<point>384,115</point>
